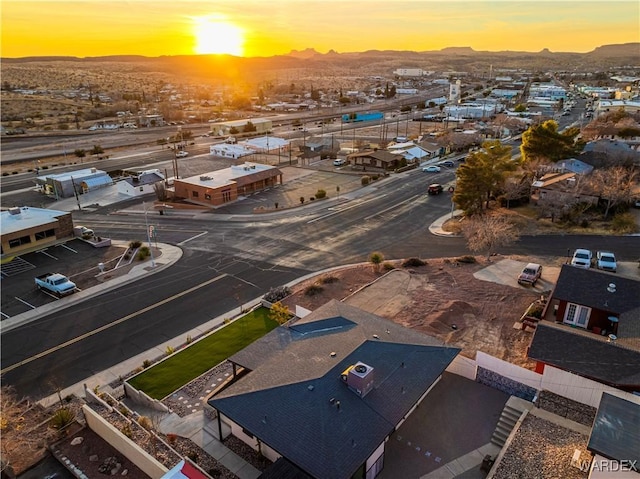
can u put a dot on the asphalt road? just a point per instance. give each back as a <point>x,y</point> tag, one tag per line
<point>230,261</point>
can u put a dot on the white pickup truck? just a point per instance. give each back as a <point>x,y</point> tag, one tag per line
<point>55,283</point>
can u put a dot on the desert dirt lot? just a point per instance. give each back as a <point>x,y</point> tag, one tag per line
<point>442,299</point>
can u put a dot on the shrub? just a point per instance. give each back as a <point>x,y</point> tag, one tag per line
<point>135,244</point>
<point>413,263</point>
<point>126,430</point>
<point>171,438</point>
<point>143,253</point>
<point>189,339</point>
<point>62,418</point>
<point>146,363</point>
<point>330,279</point>
<point>365,180</point>
<point>145,422</point>
<point>376,259</point>
<point>313,289</point>
<point>466,259</point>
<point>584,223</point>
<point>321,194</point>
<point>302,200</point>
<point>124,410</point>
<point>388,266</point>
<point>624,223</point>
<point>193,456</point>
<point>170,350</point>
<point>312,198</point>
<point>277,294</point>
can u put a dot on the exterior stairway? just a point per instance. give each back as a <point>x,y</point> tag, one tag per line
<point>512,411</point>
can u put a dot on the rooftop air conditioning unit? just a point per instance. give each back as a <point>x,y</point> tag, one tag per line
<point>360,379</point>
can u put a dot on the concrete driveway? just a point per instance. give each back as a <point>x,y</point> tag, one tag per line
<point>457,417</point>
<point>506,272</point>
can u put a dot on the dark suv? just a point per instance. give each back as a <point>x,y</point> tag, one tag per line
<point>435,189</point>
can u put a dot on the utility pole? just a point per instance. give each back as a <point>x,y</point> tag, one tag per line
<point>75,192</point>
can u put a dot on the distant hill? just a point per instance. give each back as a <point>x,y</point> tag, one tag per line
<point>309,61</point>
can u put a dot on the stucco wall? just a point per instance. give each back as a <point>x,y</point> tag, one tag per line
<point>123,444</point>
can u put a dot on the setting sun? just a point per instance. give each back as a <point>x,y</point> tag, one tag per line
<point>216,36</point>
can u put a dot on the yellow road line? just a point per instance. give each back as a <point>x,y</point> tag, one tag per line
<point>107,326</point>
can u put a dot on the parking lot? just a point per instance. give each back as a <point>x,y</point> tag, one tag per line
<point>75,259</point>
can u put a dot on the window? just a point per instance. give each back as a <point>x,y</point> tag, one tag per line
<point>14,243</point>
<point>577,315</point>
<point>226,195</point>
<point>194,194</point>
<point>40,235</point>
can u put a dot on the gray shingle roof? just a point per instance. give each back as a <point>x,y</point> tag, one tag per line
<point>586,354</point>
<point>289,401</point>
<point>588,287</point>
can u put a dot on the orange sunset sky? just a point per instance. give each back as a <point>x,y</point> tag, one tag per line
<point>270,27</point>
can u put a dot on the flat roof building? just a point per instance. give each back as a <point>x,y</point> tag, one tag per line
<point>224,186</point>
<point>26,229</point>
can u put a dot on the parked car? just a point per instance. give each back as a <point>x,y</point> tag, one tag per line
<point>182,154</point>
<point>447,163</point>
<point>435,189</point>
<point>339,162</point>
<point>83,231</point>
<point>582,258</point>
<point>55,283</point>
<point>431,169</point>
<point>530,274</point>
<point>606,261</point>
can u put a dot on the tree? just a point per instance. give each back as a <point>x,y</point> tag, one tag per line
<point>160,190</point>
<point>376,259</point>
<point>249,127</point>
<point>97,150</point>
<point>614,185</point>
<point>545,142</point>
<point>80,153</point>
<point>488,232</point>
<point>279,312</point>
<point>520,107</point>
<point>482,175</point>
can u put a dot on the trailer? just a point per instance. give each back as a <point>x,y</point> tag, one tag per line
<point>356,117</point>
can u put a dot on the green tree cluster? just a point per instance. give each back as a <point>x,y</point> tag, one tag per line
<point>545,142</point>
<point>482,175</point>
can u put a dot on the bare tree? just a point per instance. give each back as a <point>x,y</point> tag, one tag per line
<point>161,191</point>
<point>488,232</point>
<point>614,185</point>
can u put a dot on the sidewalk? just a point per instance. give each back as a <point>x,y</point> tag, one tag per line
<point>435,228</point>
<point>195,426</point>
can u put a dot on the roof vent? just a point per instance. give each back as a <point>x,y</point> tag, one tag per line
<point>611,288</point>
<point>205,178</point>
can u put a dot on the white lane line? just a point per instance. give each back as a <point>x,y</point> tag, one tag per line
<point>413,198</point>
<point>192,238</point>
<point>344,209</point>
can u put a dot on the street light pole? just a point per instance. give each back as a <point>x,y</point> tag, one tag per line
<point>146,221</point>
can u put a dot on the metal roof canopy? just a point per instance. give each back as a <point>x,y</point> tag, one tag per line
<point>616,430</point>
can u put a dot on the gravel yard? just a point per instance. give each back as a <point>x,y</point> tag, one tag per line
<point>542,449</point>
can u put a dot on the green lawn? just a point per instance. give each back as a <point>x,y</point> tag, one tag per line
<point>162,379</point>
